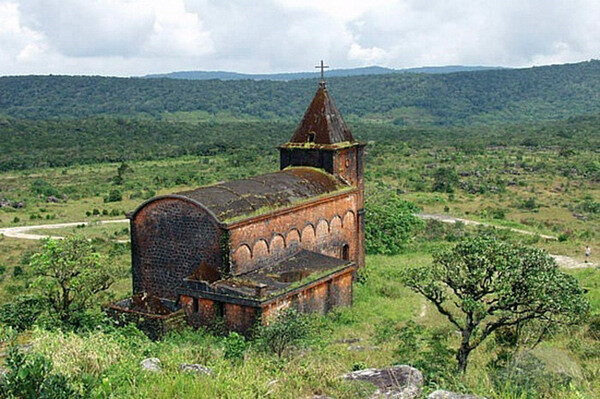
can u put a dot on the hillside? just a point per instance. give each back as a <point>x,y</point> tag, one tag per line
<point>497,96</point>
<point>371,70</point>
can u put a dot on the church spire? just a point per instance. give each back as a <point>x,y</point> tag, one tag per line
<point>322,122</point>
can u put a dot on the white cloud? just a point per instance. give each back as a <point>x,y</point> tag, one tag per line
<point>123,37</point>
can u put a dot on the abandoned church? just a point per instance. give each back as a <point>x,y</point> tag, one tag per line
<point>243,250</point>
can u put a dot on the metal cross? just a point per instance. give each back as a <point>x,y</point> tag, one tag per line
<point>322,66</point>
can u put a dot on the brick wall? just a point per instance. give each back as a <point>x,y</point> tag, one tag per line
<point>172,239</point>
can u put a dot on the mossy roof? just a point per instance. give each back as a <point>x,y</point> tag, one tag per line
<point>238,199</point>
<point>295,271</point>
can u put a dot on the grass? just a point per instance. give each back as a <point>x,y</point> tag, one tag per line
<point>113,357</point>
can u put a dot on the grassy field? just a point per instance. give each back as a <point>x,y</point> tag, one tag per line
<point>365,335</point>
<point>529,188</point>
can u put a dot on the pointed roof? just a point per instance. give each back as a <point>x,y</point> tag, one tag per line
<point>322,122</point>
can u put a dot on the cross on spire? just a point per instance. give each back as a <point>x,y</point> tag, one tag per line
<point>322,67</point>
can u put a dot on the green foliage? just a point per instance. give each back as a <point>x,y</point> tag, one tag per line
<point>23,312</point>
<point>42,187</point>
<point>511,95</point>
<point>484,284</point>
<point>30,376</point>
<point>234,346</point>
<point>114,196</point>
<point>291,329</point>
<point>445,180</point>
<point>71,275</point>
<point>390,224</point>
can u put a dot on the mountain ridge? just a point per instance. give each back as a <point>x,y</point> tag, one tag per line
<point>343,72</point>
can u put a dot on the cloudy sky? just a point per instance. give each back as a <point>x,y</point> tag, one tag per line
<point>136,37</point>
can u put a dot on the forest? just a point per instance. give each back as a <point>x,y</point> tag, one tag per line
<point>479,97</point>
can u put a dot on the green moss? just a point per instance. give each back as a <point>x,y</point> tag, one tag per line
<point>270,208</point>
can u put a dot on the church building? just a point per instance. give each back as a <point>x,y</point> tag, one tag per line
<point>244,250</point>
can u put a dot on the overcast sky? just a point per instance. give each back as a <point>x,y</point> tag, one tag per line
<point>136,37</point>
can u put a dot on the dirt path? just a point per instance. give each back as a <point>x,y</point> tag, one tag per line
<point>23,231</point>
<point>451,219</point>
<point>563,261</point>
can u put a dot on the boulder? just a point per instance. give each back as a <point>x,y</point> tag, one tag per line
<point>18,205</point>
<point>398,382</point>
<point>151,364</point>
<point>4,203</point>
<point>441,394</point>
<point>195,368</point>
<point>52,199</point>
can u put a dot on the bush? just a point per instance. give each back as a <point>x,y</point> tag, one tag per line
<point>43,188</point>
<point>390,224</point>
<point>114,196</point>
<point>31,376</point>
<point>23,312</point>
<point>289,330</point>
<point>445,180</point>
<point>234,346</point>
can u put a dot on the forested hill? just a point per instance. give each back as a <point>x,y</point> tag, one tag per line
<point>512,95</point>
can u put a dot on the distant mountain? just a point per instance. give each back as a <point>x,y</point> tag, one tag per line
<point>371,70</point>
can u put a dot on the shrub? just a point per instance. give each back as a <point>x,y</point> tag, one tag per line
<point>390,224</point>
<point>31,376</point>
<point>234,346</point>
<point>42,187</point>
<point>23,312</point>
<point>445,180</point>
<point>289,330</point>
<point>114,196</point>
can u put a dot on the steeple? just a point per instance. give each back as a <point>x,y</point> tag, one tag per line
<point>322,122</point>
<point>322,140</point>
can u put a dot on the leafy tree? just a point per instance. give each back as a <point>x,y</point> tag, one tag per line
<point>71,275</point>
<point>390,224</point>
<point>445,180</point>
<point>484,284</point>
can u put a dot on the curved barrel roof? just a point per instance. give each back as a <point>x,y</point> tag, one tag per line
<point>237,199</point>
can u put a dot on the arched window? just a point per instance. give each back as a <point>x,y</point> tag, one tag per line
<point>311,137</point>
<point>345,252</point>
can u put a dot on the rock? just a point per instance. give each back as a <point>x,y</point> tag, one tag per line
<point>18,205</point>
<point>52,199</point>
<point>151,364</point>
<point>359,348</point>
<point>398,382</point>
<point>195,368</point>
<point>4,203</point>
<point>441,394</point>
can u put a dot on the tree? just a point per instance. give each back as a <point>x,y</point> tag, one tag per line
<point>484,284</point>
<point>445,179</point>
<point>390,224</point>
<point>71,275</point>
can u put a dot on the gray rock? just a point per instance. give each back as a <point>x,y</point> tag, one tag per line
<point>441,394</point>
<point>52,199</point>
<point>151,364</point>
<point>360,348</point>
<point>18,205</point>
<point>397,382</point>
<point>195,368</point>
